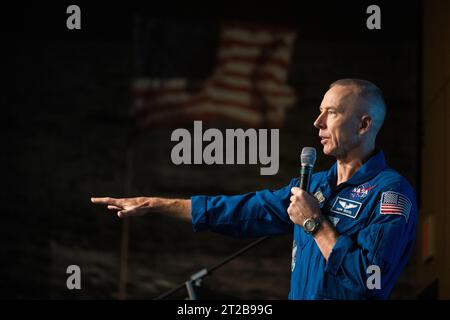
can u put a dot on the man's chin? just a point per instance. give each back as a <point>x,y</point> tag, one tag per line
<point>328,152</point>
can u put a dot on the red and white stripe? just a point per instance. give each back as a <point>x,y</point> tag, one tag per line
<point>248,84</point>
<point>395,203</point>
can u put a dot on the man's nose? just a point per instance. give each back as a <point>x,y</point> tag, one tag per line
<point>320,123</point>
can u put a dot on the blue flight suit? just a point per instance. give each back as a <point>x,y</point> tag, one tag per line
<point>374,212</point>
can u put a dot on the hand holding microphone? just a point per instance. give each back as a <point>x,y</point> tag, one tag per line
<point>304,209</point>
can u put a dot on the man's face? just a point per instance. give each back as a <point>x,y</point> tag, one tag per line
<point>339,121</point>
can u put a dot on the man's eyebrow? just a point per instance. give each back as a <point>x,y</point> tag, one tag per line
<point>328,108</point>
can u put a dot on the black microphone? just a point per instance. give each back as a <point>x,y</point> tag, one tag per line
<point>308,158</point>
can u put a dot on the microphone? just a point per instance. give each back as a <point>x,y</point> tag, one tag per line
<point>308,158</point>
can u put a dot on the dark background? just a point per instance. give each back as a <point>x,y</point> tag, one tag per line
<point>67,134</point>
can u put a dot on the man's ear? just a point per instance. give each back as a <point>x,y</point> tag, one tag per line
<point>365,124</point>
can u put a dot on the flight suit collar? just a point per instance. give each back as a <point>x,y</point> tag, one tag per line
<point>366,172</point>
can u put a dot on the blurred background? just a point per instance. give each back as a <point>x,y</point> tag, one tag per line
<point>90,112</point>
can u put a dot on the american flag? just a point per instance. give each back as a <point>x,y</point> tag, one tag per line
<point>395,203</point>
<point>248,85</point>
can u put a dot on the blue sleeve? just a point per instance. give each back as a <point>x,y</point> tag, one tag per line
<point>248,215</point>
<point>386,243</point>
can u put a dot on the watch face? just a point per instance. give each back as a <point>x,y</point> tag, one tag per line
<point>310,225</point>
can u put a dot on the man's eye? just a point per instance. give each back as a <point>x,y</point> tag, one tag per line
<point>331,112</point>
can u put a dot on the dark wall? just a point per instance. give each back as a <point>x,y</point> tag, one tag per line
<point>68,137</point>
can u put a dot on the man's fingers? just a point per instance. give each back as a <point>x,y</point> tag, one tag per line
<point>110,207</point>
<point>298,192</point>
<point>106,200</point>
<point>295,190</point>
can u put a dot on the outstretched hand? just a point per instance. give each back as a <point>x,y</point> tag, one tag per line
<point>126,207</point>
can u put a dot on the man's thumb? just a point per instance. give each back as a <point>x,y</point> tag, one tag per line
<point>126,213</point>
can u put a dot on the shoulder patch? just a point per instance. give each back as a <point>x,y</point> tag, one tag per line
<point>395,203</point>
<point>319,196</point>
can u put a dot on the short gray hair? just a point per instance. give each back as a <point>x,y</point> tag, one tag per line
<point>372,97</point>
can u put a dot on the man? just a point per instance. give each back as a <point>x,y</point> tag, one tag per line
<point>361,214</point>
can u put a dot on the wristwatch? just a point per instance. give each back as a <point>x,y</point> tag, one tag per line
<point>312,225</point>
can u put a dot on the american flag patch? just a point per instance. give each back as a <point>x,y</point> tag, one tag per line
<point>395,203</point>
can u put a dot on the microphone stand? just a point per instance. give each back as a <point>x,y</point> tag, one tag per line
<point>195,280</point>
